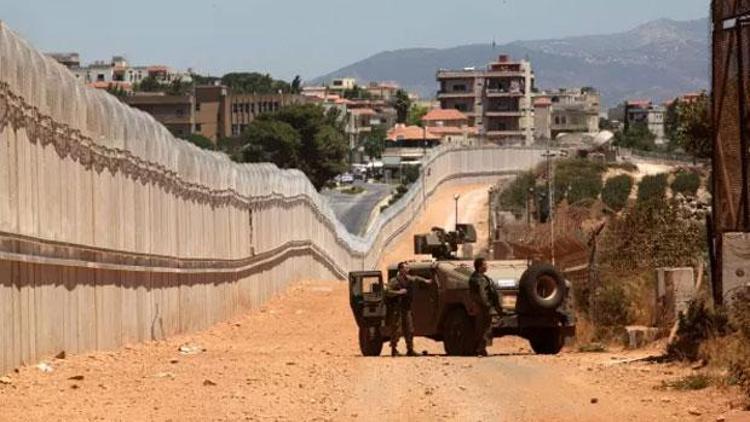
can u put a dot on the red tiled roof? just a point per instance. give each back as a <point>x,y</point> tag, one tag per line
<point>542,102</point>
<point>363,111</point>
<point>410,133</point>
<point>639,103</point>
<point>444,114</point>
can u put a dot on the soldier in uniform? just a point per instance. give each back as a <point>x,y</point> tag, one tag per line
<point>401,290</point>
<point>484,295</point>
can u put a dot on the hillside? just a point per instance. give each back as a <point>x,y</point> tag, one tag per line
<point>658,60</point>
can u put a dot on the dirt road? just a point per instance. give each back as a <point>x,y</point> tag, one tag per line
<point>297,359</point>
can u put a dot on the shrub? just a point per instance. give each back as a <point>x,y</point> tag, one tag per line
<point>514,197</point>
<point>699,324</point>
<point>617,191</point>
<point>610,307</point>
<point>686,183</point>
<point>688,383</point>
<point>652,187</point>
<point>578,179</point>
<point>411,174</point>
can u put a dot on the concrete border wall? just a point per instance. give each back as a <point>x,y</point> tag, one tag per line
<point>113,232</point>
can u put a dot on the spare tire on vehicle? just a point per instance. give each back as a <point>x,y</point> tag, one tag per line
<point>542,288</point>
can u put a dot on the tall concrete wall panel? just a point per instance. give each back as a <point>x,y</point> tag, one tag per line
<point>113,232</point>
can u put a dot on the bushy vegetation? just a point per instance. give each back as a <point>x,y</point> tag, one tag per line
<point>686,183</point>
<point>577,180</point>
<point>514,197</point>
<point>637,136</point>
<point>652,188</point>
<point>698,324</point>
<point>304,137</point>
<point>688,383</point>
<point>617,191</point>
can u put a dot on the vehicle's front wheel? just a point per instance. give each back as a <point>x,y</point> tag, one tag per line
<point>459,338</point>
<point>547,342</point>
<point>370,341</point>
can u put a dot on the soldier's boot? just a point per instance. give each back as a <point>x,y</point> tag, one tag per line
<point>411,352</point>
<point>394,351</point>
<point>482,352</point>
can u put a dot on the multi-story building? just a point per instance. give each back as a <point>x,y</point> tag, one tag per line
<point>342,84</point>
<point>175,112</point>
<point>451,126</point>
<point>118,72</point>
<point>241,109</point>
<point>497,100</point>
<point>566,111</point>
<point>647,113</point>
<point>211,111</point>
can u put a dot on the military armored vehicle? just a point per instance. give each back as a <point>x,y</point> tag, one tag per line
<point>536,299</point>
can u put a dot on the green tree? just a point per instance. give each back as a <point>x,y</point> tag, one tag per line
<point>686,183</point>
<point>302,136</point>
<point>402,103</point>
<point>357,93</point>
<point>637,136</point>
<point>652,188</point>
<point>177,87</point>
<point>296,86</point>
<point>149,84</point>
<point>617,191</point>
<point>200,141</point>
<point>577,179</point>
<point>374,143</point>
<point>254,83</point>
<point>416,112</point>
<point>672,122</point>
<point>695,130</point>
<point>272,141</point>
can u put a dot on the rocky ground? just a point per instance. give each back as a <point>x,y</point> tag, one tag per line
<point>297,359</point>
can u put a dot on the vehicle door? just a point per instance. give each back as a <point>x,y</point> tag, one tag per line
<point>367,297</point>
<point>425,302</point>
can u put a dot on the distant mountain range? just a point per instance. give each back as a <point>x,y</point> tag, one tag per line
<point>657,60</point>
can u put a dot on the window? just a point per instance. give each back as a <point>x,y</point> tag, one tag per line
<point>459,88</point>
<point>100,77</point>
<point>197,106</point>
<point>235,130</point>
<point>198,127</point>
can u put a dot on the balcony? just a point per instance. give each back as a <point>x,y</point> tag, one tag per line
<point>504,113</point>
<point>501,93</point>
<point>455,94</point>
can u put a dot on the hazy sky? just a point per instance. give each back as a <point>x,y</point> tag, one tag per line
<point>308,37</point>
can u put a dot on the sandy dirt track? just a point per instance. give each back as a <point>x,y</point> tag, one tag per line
<point>297,359</point>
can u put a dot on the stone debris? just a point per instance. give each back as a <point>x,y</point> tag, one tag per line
<point>191,349</point>
<point>76,378</point>
<point>44,367</point>
<point>163,375</point>
<point>721,418</point>
<point>594,400</point>
<point>61,355</point>
<point>208,383</point>
<point>695,412</point>
<point>6,380</point>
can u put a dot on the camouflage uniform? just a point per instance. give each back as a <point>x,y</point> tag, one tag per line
<point>485,298</point>
<point>401,320</point>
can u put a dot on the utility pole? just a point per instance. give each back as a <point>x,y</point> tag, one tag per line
<point>456,197</point>
<point>551,200</point>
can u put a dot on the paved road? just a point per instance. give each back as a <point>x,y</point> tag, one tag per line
<point>354,210</point>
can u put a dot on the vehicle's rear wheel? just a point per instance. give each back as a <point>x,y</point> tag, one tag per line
<point>459,338</point>
<point>370,341</point>
<point>547,342</point>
